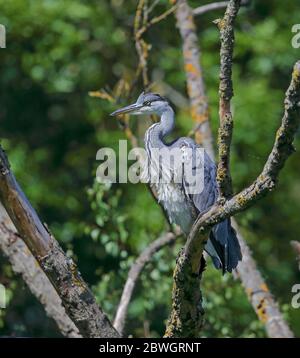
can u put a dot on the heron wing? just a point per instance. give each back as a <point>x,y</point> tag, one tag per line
<point>222,246</point>
<point>198,162</point>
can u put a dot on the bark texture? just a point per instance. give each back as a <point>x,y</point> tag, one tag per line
<point>23,263</point>
<point>262,185</point>
<point>249,275</point>
<point>62,272</point>
<point>260,297</point>
<point>194,78</point>
<point>226,27</point>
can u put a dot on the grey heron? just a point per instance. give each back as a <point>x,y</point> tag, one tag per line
<point>181,206</point>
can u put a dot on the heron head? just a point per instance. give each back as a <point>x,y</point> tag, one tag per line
<point>147,103</point>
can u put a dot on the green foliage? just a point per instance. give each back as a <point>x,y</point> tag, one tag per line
<point>58,51</point>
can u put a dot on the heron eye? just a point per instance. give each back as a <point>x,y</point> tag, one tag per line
<point>147,103</point>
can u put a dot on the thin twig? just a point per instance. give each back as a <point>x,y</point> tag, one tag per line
<point>133,275</point>
<point>154,21</point>
<point>152,6</point>
<point>226,93</point>
<point>200,10</point>
<point>209,7</point>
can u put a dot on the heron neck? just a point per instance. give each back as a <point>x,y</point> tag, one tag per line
<point>166,123</point>
<point>160,130</point>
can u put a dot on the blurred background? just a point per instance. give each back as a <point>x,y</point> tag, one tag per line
<point>57,51</point>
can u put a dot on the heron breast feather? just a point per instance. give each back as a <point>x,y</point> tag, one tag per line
<point>177,207</point>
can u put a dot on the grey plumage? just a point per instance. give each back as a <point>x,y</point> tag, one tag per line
<point>181,205</point>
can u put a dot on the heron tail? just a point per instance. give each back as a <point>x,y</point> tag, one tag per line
<point>223,247</point>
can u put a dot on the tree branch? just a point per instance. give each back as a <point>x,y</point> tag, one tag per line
<point>186,266</point>
<point>23,262</point>
<point>62,272</point>
<point>296,246</point>
<point>266,181</point>
<point>133,275</point>
<point>248,274</point>
<point>142,47</point>
<point>259,294</point>
<point>186,317</point>
<point>226,93</point>
<point>200,10</point>
<point>154,21</point>
<point>195,83</point>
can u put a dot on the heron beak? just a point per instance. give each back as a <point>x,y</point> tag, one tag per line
<point>128,109</point>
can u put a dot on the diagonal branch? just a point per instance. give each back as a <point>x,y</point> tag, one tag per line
<point>133,275</point>
<point>226,27</point>
<point>187,263</point>
<point>23,262</point>
<point>154,21</point>
<point>248,274</point>
<point>77,299</point>
<point>260,296</point>
<point>266,181</point>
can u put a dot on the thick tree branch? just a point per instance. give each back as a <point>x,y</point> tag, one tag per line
<point>265,182</point>
<point>186,266</point>
<point>133,275</point>
<point>248,274</point>
<point>226,93</point>
<point>259,295</point>
<point>76,297</point>
<point>195,83</point>
<point>186,318</point>
<point>142,47</point>
<point>23,263</point>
